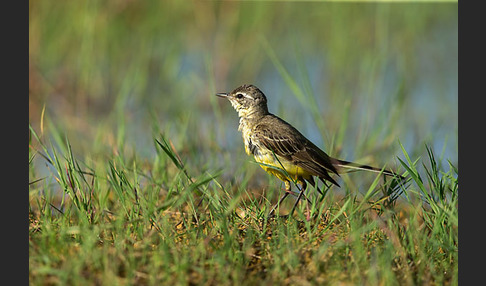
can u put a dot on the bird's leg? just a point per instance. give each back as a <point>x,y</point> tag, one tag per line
<point>302,189</point>
<point>287,192</point>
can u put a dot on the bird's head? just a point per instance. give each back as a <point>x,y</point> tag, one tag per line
<point>247,100</point>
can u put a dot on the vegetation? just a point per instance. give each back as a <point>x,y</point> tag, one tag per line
<point>137,174</point>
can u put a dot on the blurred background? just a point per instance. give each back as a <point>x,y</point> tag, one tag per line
<point>357,79</point>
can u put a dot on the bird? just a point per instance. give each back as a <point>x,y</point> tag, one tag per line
<point>283,151</point>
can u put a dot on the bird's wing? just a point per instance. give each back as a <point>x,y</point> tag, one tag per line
<point>287,142</point>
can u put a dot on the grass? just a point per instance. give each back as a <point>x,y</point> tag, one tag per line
<point>137,174</point>
<point>121,222</point>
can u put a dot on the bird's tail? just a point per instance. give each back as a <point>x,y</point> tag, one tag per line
<point>351,166</point>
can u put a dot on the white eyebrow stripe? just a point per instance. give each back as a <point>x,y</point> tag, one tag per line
<point>246,95</point>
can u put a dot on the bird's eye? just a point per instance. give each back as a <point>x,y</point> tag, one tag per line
<point>239,95</point>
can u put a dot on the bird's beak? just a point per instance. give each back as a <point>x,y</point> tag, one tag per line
<point>222,94</point>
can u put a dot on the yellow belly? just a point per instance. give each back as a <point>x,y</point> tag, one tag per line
<point>277,167</point>
<point>272,165</point>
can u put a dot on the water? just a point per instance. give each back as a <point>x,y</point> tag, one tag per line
<point>394,63</point>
